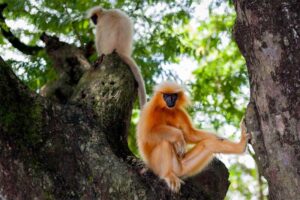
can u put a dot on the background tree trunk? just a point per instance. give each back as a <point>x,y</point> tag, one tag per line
<point>268,35</point>
<point>72,143</point>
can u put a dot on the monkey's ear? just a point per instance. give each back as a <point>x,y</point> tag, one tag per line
<point>94,18</point>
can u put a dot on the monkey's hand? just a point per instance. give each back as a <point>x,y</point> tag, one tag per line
<point>180,147</point>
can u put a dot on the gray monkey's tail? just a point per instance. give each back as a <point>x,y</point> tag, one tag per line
<point>138,77</point>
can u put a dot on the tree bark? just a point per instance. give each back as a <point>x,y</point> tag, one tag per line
<point>75,147</point>
<point>268,35</point>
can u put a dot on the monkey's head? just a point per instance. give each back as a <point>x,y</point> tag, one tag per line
<point>94,14</point>
<point>170,95</point>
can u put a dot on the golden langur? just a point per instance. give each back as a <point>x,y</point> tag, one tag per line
<point>114,32</point>
<point>165,128</point>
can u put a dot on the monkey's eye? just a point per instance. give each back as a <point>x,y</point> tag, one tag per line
<point>170,99</point>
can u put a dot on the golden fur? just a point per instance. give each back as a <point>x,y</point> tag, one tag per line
<point>162,134</point>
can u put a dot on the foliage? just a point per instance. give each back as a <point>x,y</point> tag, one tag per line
<point>67,19</point>
<point>221,74</point>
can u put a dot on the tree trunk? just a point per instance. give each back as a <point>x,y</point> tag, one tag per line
<point>72,143</point>
<point>268,35</point>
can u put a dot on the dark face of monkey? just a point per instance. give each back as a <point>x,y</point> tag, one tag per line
<point>170,99</point>
<point>94,19</point>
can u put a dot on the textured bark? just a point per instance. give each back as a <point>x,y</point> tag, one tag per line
<point>268,35</point>
<point>69,62</point>
<point>77,148</point>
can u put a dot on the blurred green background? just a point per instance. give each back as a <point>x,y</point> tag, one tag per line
<point>186,41</point>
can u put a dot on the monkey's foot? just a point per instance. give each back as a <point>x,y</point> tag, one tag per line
<point>245,136</point>
<point>173,182</point>
<point>98,61</point>
<point>143,170</point>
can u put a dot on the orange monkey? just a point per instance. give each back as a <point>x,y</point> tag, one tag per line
<point>164,129</point>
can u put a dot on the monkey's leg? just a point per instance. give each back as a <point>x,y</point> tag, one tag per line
<point>195,160</point>
<point>220,145</point>
<point>195,136</point>
<point>198,157</point>
<point>163,162</point>
<point>98,61</point>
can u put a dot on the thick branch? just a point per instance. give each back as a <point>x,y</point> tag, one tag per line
<point>69,62</point>
<point>79,150</point>
<point>17,103</point>
<point>15,42</point>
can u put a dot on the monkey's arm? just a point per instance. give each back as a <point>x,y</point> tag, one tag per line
<point>166,132</point>
<point>191,134</point>
<point>170,134</point>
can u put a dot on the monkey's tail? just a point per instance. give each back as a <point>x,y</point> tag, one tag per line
<point>138,77</point>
